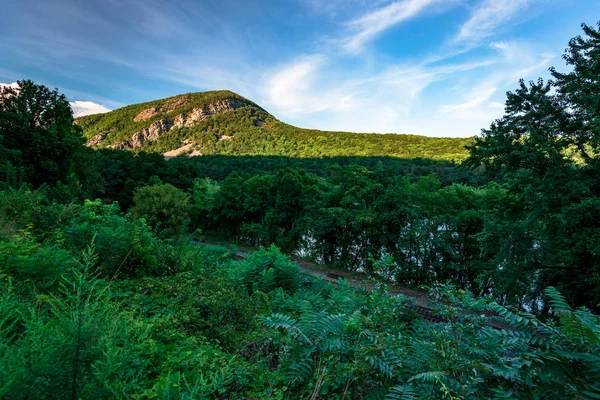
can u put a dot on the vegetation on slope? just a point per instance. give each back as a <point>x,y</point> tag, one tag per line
<point>122,124</point>
<point>249,130</point>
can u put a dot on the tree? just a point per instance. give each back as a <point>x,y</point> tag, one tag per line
<point>164,207</point>
<point>38,135</point>
<point>547,148</point>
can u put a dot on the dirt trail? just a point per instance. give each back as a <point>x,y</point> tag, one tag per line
<point>421,302</point>
<point>355,280</point>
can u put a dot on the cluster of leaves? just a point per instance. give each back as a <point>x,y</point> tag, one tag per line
<point>428,233</point>
<point>69,272</point>
<point>546,147</point>
<point>349,351</point>
<point>38,141</point>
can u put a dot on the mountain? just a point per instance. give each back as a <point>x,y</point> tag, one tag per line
<point>223,122</point>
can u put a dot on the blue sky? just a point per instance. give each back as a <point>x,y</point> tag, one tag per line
<point>431,67</point>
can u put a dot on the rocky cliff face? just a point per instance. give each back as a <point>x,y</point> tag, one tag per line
<point>158,128</point>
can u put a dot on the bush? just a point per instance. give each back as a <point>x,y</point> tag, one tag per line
<point>30,265</point>
<point>126,248</point>
<point>193,304</point>
<point>25,210</point>
<point>163,206</point>
<point>75,344</point>
<point>268,269</point>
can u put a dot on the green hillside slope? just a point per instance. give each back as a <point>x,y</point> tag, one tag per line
<point>223,122</point>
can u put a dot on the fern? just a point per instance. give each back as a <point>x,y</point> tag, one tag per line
<point>299,371</point>
<point>401,392</point>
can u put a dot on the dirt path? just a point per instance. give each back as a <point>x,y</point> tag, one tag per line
<point>356,280</point>
<point>421,302</point>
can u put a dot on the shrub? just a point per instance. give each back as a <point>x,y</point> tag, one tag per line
<point>76,344</point>
<point>32,265</point>
<point>194,304</point>
<point>268,269</point>
<point>163,206</point>
<point>125,248</point>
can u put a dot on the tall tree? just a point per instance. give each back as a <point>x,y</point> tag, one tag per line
<point>37,131</point>
<point>547,148</point>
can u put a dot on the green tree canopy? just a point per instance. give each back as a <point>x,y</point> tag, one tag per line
<point>37,135</point>
<point>163,206</point>
<point>547,148</point>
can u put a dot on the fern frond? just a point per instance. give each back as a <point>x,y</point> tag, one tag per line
<point>428,377</point>
<point>299,371</point>
<point>401,392</point>
<point>288,324</point>
<point>557,301</point>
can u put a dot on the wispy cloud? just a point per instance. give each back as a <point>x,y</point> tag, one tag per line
<point>486,18</point>
<point>371,25</point>
<point>477,97</point>
<point>311,86</point>
<point>519,61</point>
<point>291,90</point>
<point>314,63</point>
<point>82,108</point>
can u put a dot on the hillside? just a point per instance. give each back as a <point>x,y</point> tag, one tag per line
<point>222,122</point>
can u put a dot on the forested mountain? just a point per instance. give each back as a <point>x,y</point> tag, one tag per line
<point>222,122</point>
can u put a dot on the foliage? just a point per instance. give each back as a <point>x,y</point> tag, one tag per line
<point>125,247</point>
<point>163,206</point>
<point>75,344</point>
<point>37,136</point>
<point>546,146</point>
<point>123,173</point>
<point>267,270</point>
<point>96,303</point>
<point>122,123</point>
<point>36,267</point>
<point>249,130</point>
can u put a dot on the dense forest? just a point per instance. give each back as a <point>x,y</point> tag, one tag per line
<point>107,290</point>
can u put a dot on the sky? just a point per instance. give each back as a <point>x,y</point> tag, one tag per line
<point>431,67</point>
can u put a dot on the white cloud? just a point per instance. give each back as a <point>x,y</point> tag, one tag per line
<point>439,98</point>
<point>292,88</point>
<point>496,104</point>
<point>487,17</point>
<point>369,26</point>
<point>311,92</point>
<point>519,61</point>
<point>13,85</point>
<point>479,96</point>
<point>82,108</point>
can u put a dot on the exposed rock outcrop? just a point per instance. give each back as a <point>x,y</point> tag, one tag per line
<point>97,139</point>
<point>206,111</point>
<point>150,133</point>
<point>160,127</point>
<point>145,114</point>
<point>176,103</point>
<point>183,150</point>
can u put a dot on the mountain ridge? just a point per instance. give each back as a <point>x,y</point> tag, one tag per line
<point>223,122</point>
